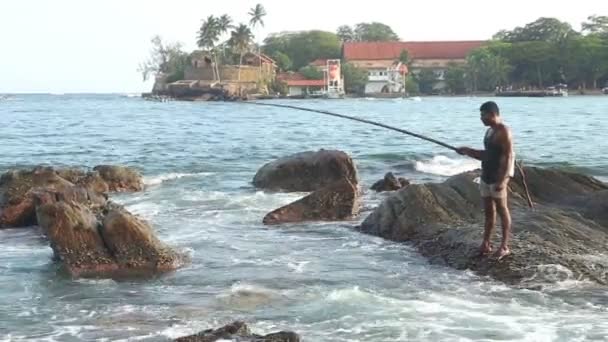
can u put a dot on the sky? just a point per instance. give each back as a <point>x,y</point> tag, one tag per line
<point>64,46</point>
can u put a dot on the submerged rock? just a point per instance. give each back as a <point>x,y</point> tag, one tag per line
<point>113,242</point>
<point>120,178</point>
<point>239,331</point>
<point>338,201</point>
<point>306,171</point>
<point>390,183</point>
<point>445,222</point>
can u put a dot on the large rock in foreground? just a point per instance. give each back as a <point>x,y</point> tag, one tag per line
<point>306,171</point>
<point>239,331</point>
<point>18,188</point>
<point>560,238</point>
<point>338,201</point>
<point>111,243</point>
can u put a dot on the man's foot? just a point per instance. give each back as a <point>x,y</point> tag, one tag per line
<point>485,249</point>
<point>502,253</point>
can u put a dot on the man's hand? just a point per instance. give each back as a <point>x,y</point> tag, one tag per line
<point>501,185</point>
<point>465,151</point>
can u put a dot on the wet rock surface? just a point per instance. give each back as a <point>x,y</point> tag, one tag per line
<point>558,238</point>
<point>338,201</point>
<point>306,171</point>
<point>238,331</point>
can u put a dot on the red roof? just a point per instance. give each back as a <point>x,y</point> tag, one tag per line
<point>290,76</point>
<point>417,50</point>
<point>305,83</point>
<point>318,62</point>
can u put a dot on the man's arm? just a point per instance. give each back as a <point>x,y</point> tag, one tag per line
<point>467,151</point>
<point>505,140</point>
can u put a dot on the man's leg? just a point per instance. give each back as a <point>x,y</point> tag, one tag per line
<point>490,213</point>
<point>505,220</point>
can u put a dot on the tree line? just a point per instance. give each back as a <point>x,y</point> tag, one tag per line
<point>539,54</point>
<point>542,53</point>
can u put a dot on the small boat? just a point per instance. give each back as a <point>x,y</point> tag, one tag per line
<point>605,90</point>
<point>560,90</point>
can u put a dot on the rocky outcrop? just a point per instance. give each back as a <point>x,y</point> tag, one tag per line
<point>120,178</point>
<point>555,240</point>
<point>390,183</point>
<point>306,171</point>
<point>239,331</point>
<point>90,180</point>
<point>18,188</point>
<point>338,201</point>
<point>110,243</point>
<point>16,194</point>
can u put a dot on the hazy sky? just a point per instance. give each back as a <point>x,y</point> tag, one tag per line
<point>96,46</point>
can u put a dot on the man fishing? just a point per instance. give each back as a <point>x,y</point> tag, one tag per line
<point>497,168</point>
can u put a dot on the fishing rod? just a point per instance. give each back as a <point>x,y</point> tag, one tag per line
<point>420,136</point>
<point>518,164</point>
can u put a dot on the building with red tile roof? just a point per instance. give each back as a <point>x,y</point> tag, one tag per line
<point>386,74</point>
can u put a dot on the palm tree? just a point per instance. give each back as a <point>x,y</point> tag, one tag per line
<point>240,40</point>
<point>208,34</point>
<point>257,15</point>
<point>225,23</point>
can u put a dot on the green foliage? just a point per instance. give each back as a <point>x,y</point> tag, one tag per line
<point>374,32</point>
<point>487,69</point>
<point>166,59</point>
<point>367,32</point>
<point>404,57</point>
<point>279,87</point>
<point>542,29</point>
<point>354,79</point>
<point>596,25</point>
<point>241,39</point>
<point>411,86</point>
<point>257,15</point>
<point>455,79</point>
<point>346,33</point>
<point>426,81</point>
<point>311,73</point>
<point>283,61</point>
<point>304,47</point>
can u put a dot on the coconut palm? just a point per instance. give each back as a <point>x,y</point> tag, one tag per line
<point>224,23</point>
<point>240,41</point>
<point>257,15</point>
<point>208,34</point>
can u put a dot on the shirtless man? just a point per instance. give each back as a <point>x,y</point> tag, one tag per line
<point>497,168</point>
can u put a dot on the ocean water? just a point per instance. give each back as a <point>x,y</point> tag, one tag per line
<point>322,280</point>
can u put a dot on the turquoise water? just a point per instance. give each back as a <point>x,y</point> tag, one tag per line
<point>322,280</point>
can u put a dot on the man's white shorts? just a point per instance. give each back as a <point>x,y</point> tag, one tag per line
<point>489,190</point>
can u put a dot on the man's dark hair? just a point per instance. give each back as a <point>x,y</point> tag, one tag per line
<point>490,107</point>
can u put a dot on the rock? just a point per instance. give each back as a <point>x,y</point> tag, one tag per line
<point>16,194</point>
<point>120,178</point>
<point>338,201</point>
<point>134,245</point>
<point>94,182</point>
<point>445,222</point>
<point>306,171</point>
<point>72,230</point>
<point>390,183</point>
<point>110,244</point>
<point>239,331</point>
